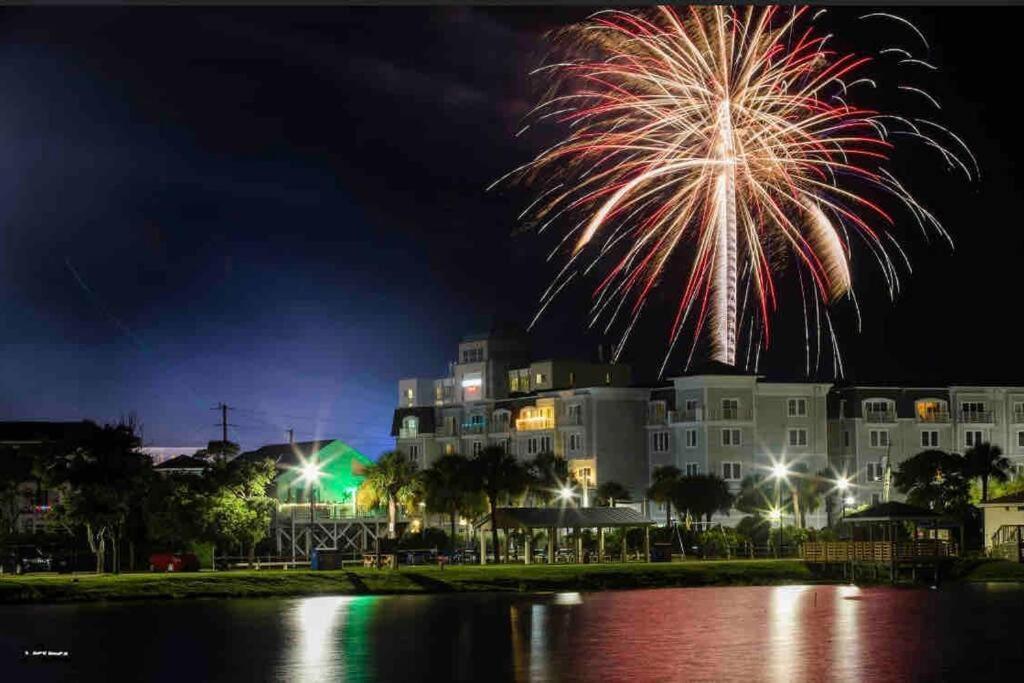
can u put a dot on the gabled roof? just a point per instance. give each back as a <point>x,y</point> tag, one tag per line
<point>424,413</point>
<point>287,454</point>
<point>1009,499</point>
<point>892,512</point>
<point>538,518</point>
<point>182,462</point>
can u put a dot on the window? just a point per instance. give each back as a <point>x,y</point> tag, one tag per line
<point>656,411</point>
<point>472,355</point>
<point>575,442</point>
<point>545,444</point>
<point>874,471</point>
<point>659,442</point>
<point>477,447</point>
<point>572,378</point>
<point>731,471</point>
<point>931,410</point>
<point>691,405</point>
<point>531,446</point>
<point>972,407</point>
<point>875,499</point>
<point>876,406</point>
<point>691,438</point>
<point>539,378</point>
<point>846,438</point>
<point>410,426</point>
<point>414,451</point>
<point>449,449</point>
<point>930,438</point>
<point>584,476</point>
<point>730,408</point>
<point>692,469</point>
<point>1020,439</point>
<point>409,395</point>
<point>797,437</point>
<point>1018,412</point>
<point>879,438</point>
<point>439,393</point>
<point>972,437</point>
<point>730,437</point>
<point>797,407</point>
<point>574,413</point>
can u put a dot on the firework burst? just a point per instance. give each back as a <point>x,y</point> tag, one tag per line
<point>727,139</point>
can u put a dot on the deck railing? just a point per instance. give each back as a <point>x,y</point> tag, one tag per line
<point>833,552</point>
<point>1007,542</point>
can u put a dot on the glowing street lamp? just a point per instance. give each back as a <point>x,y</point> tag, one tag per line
<point>565,494</point>
<point>780,471</point>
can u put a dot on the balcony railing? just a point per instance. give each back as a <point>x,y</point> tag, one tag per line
<point>530,424</point>
<point>572,419</point>
<point>692,415</point>
<point>717,414</point>
<point>1018,416</point>
<point>474,427</point>
<point>934,417</point>
<point>881,416</point>
<point>977,416</point>
<point>446,430</point>
<point>408,433</point>
<point>501,427</point>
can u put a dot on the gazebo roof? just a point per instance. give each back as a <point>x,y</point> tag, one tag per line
<point>543,518</point>
<point>893,512</point>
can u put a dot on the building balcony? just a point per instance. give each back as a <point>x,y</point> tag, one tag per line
<point>446,430</point>
<point>695,415</point>
<point>938,417</point>
<point>880,416</point>
<point>532,424</point>
<point>501,427</point>
<point>474,428</point>
<point>976,417</point>
<point>408,433</point>
<point>1018,416</point>
<point>716,414</point>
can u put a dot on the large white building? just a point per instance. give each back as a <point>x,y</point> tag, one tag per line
<point>715,420</point>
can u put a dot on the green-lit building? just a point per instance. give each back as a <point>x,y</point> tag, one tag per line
<point>329,470</point>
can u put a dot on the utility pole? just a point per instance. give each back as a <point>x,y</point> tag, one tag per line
<point>291,435</point>
<point>223,424</point>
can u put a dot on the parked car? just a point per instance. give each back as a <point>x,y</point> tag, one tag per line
<point>21,559</point>
<point>173,562</point>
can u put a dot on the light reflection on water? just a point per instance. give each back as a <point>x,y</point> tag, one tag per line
<point>786,633</point>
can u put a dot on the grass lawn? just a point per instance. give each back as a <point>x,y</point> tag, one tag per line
<point>270,582</point>
<point>988,570</point>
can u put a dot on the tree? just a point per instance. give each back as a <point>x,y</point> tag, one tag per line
<point>548,474</point>
<point>498,474</point>
<point>218,450</point>
<point>934,479</point>
<point>752,498</point>
<point>105,479</point>
<point>241,507</point>
<point>17,466</point>
<point>702,495</point>
<point>986,462</point>
<point>807,490</point>
<point>391,480</point>
<point>177,510</point>
<point>609,492</point>
<point>448,488</point>
<point>663,482</point>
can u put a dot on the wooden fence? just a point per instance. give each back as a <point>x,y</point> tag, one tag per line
<point>834,552</point>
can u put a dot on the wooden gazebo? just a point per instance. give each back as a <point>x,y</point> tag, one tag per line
<point>553,519</point>
<point>878,539</point>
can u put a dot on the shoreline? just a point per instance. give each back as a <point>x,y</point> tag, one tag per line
<point>423,580</point>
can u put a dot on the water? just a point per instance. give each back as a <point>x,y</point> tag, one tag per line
<point>792,633</point>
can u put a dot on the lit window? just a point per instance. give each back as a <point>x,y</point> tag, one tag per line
<point>930,438</point>
<point>797,437</point>
<point>691,438</point>
<point>930,411</point>
<point>797,407</point>
<point>731,437</point>
<point>449,449</point>
<point>539,378</point>
<point>410,426</point>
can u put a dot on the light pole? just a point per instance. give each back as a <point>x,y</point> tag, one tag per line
<point>775,516</point>
<point>779,473</point>
<point>843,486</point>
<point>311,475</point>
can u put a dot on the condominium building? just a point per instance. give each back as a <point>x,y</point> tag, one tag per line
<point>494,395</point>
<point>714,420</point>
<point>875,427</point>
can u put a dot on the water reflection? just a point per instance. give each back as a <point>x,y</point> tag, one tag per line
<point>329,638</point>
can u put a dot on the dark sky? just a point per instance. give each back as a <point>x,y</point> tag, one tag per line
<point>285,210</point>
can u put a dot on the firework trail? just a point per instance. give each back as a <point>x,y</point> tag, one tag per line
<point>726,139</point>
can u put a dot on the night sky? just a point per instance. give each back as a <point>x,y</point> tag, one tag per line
<point>284,210</point>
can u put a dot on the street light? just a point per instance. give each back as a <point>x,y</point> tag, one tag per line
<point>311,473</point>
<point>843,486</point>
<point>565,494</point>
<point>780,473</point>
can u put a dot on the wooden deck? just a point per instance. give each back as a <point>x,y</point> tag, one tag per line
<point>880,552</point>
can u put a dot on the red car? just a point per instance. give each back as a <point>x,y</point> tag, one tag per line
<point>173,562</point>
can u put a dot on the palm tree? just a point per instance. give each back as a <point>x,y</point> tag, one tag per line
<point>392,479</point>
<point>751,498</point>
<point>548,474</point>
<point>609,492</point>
<point>498,474</point>
<point>702,495</point>
<point>807,490</point>
<point>448,488</point>
<point>663,483</point>
<point>985,461</point>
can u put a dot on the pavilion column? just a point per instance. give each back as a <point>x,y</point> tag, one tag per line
<point>527,546</point>
<point>483,547</point>
<point>579,545</point>
<point>600,544</point>
<point>647,544</point>
<point>552,539</point>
